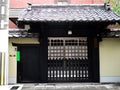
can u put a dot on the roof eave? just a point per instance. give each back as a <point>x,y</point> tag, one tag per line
<point>87,21</point>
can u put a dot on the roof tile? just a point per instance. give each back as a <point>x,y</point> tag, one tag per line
<point>85,13</point>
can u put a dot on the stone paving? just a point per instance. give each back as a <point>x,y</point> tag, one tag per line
<point>71,86</point>
<point>62,86</point>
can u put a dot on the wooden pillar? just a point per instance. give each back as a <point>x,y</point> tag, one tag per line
<point>43,54</point>
<point>93,51</point>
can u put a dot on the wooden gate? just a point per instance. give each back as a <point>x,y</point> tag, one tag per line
<point>68,59</point>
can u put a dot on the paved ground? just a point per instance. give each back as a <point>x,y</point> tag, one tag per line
<point>71,86</point>
<point>62,86</point>
<point>8,87</point>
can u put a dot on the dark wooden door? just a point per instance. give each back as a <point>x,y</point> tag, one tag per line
<point>68,59</point>
<point>29,65</point>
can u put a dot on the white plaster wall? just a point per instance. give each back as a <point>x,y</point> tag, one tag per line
<point>4,48</point>
<point>110,60</point>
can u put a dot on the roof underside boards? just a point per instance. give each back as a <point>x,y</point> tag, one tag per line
<point>114,33</point>
<point>68,13</point>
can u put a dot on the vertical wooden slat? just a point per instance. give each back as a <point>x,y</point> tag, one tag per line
<point>79,69</point>
<point>54,74</point>
<point>85,69</point>
<point>69,65</point>
<point>50,69</point>
<point>79,60</point>
<point>53,61</point>
<point>60,66</point>
<point>49,57</point>
<point>56,44</point>
<point>63,70</point>
<point>85,58</point>
<point>61,63</point>
<point>56,69</point>
<point>82,60</point>
<point>66,69</point>
<point>75,69</point>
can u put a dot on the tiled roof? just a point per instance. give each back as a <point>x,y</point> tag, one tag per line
<point>61,13</point>
<point>15,12</point>
<point>21,33</point>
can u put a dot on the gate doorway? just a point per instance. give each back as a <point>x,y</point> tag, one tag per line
<point>29,69</point>
<point>64,59</point>
<point>68,59</point>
